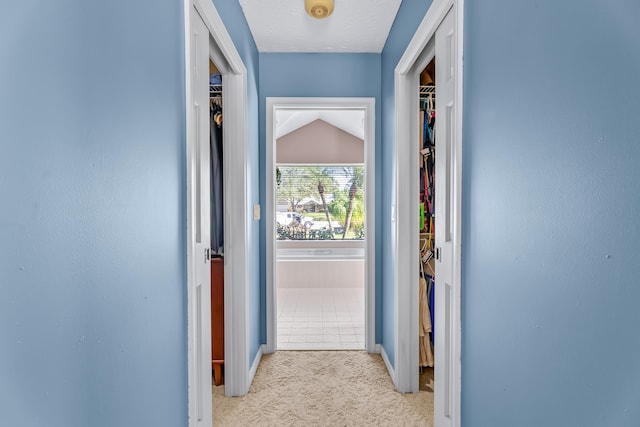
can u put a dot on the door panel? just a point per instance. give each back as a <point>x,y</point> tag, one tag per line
<point>445,185</point>
<point>200,218</point>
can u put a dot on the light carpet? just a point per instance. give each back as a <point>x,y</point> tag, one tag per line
<point>322,388</point>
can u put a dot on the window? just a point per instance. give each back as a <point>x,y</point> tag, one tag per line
<point>323,202</point>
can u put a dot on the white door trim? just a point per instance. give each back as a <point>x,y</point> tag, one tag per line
<point>235,135</point>
<point>406,265</point>
<point>368,105</point>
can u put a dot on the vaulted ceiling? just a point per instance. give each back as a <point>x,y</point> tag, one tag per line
<point>350,121</point>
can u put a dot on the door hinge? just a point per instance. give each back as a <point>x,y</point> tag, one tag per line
<point>437,255</point>
<point>207,254</point>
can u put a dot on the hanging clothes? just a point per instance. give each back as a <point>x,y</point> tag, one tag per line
<point>217,206</point>
<point>424,342</point>
<point>427,195</point>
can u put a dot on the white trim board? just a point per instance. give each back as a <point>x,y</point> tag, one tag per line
<point>235,135</point>
<point>236,212</point>
<point>368,105</point>
<point>254,365</point>
<point>385,359</point>
<point>406,265</point>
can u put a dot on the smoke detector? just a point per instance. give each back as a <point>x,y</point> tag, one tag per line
<point>319,8</point>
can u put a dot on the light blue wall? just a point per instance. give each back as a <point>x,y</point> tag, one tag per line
<point>409,17</point>
<point>92,295</point>
<point>319,75</point>
<point>92,237</point>
<point>236,25</point>
<point>551,206</point>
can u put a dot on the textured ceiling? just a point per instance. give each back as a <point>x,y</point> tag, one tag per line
<point>354,26</point>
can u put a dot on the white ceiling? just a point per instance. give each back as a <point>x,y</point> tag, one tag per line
<point>351,121</point>
<point>354,26</point>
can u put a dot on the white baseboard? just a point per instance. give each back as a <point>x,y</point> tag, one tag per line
<point>254,365</point>
<point>376,349</point>
<point>392,372</point>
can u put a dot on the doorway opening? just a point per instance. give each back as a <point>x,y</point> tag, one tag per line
<point>320,215</point>
<point>427,247</point>
<point>439,36</point>
<point>206,40</point>
<point>320,223</point>
<point>216,191</point>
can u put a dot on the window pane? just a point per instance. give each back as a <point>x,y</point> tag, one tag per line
<point>320,202</point>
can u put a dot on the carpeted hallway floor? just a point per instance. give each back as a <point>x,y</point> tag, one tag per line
<point>322,388</point>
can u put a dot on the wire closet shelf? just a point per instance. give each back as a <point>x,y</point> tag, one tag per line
<point>215,91</point>
<point>428,91</point>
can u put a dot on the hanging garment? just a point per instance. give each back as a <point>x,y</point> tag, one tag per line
<point>431,292</point>
<point>217,207</point>
<point>215,79</point>
<point>424,342</point>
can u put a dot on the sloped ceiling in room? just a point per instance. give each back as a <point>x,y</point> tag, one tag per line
<point>320,143</point>
<point>350,121</point>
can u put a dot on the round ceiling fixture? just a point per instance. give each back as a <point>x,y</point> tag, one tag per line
<point>319,8</point>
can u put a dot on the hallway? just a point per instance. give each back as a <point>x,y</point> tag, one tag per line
<point>322,388</point>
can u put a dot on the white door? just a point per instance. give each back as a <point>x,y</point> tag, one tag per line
<point>445,221</point>
<point>199,229</point>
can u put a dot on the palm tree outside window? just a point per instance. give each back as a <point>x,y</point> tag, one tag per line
<point>324,202</point>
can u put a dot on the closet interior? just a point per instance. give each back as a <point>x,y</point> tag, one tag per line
<point>427,154</point>
<point>217,225</point>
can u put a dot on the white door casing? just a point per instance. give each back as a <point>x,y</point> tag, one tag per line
<point>431,39</point>
<point>220,48</point>
<point>199,213</point>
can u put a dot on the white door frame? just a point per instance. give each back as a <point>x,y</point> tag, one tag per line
<point>235,135</point>
<point>199,219</point>
<point>406,263</point>
<point>368,105</point>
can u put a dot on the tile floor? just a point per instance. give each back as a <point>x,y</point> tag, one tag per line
<point>320,319</point>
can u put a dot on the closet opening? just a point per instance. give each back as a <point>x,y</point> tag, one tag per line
<point>439,36</point>
<point>426,286</point>
<point>207,41</point>
<point>320,225</point>
<point>216,179</point>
